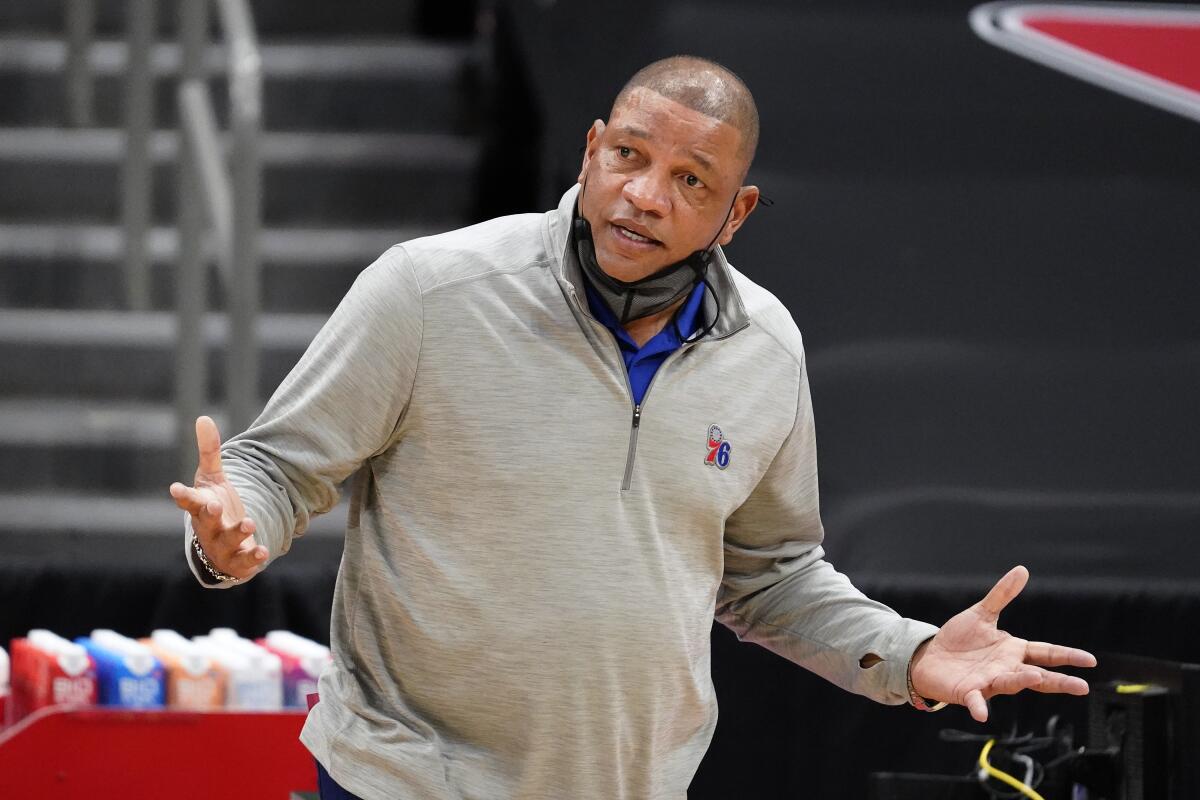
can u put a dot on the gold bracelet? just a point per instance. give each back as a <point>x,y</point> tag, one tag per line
<point>918,702</point>
<point>213,571</point>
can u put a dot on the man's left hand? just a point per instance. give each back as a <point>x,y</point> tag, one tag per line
<point>970,660</point>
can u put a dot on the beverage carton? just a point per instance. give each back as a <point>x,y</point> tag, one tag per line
<point>48,670</point>
<point>255,675</point>
<point>303,660</point>
<point>129,675</point>
<point>4,690</point>
<point>195,682</point>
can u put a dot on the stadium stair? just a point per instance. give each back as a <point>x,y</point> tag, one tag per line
<point>371,138</point>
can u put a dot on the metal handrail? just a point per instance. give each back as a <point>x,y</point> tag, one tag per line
<point>137,166</point>
<point>137,169</point>
<point>231,200</point>
<point>227,197</point>
<point>81,20</point>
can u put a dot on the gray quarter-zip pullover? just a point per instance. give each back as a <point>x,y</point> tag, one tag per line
<point>529,579</point>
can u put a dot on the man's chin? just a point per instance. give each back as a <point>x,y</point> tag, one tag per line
<point>630,272</point>
<point>628,267</point>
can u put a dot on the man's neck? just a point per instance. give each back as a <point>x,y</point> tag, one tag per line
<point>646,328</point>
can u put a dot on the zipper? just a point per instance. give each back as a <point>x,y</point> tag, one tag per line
<point>636,422</point>
<point>631,455</point>
<point>633,434</point>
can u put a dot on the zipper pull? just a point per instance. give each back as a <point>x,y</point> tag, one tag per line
<point>637,415</point>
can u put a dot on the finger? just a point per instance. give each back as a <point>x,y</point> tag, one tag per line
<point>189,499</point>
<point>1055,655</point>
<point>182,495</point>
<point>1005,590</point>
<point>976,705</point>
<point>217,534</point>
<point>248,560</point>
<point>240,557</point>
<point>234,536</point>
<point>222,537</point>
<point>208,443</point>
<point>1057,683</point>
<point>1018,681</point>
<point>211,513</point>
<point>214,530</point>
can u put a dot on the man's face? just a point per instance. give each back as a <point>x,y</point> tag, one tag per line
<point>660,181</point>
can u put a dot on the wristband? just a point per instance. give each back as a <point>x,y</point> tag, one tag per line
<point>223,577</point>
<point>918,702</point>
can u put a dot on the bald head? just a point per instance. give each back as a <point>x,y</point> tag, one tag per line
<point>704,86</point>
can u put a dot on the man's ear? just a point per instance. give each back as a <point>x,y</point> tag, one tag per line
<point>593,136</point>
<point>743,206</point>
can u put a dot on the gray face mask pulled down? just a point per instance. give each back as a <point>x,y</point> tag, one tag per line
<point>631,300</point>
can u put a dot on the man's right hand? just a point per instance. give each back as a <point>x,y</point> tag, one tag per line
<point>218,518</point>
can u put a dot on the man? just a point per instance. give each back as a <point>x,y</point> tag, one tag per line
<point>574,436</point>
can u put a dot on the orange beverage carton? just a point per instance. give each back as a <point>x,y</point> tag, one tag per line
<point>195,682</point>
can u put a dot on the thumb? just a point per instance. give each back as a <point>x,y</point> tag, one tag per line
<point>1005,590</point>
<point>208,443</point>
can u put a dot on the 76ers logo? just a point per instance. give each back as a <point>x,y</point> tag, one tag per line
<point>718,449</point>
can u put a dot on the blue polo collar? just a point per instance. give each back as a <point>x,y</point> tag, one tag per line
<point>670,338</point>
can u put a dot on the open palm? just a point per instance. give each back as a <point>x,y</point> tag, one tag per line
<point>970,660</point>
<point>219,519</point>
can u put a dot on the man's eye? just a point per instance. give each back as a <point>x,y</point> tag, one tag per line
<point>624,152</point>
<point>692,180</point>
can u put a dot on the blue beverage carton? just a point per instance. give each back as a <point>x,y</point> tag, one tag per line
<point>128,673</point>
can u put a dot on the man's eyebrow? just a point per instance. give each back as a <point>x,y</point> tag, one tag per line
<point>641,133</point>
<point>637,133</point>
<point>701,160</point>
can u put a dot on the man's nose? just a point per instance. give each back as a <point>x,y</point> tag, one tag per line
<point>648,193</point>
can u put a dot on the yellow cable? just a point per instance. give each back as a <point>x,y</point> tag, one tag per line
<point>1004,777</point>
<point>1132,688</point>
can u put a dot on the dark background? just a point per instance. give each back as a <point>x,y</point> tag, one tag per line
<point>993,265</point>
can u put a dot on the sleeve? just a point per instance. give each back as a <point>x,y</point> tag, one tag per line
<point>779,592</point>
<point>340,405</point>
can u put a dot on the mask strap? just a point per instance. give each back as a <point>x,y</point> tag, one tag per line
<point>727,215</point>
<point>695,337</point>
<point>707,286</point>
<point>628,305</point>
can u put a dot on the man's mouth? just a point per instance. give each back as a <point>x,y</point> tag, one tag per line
<point>634,236</point>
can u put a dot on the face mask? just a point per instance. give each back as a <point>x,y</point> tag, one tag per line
<point>632,300</point>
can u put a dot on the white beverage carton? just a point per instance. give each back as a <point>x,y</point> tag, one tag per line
<point>255,676</point>
<point>4,690</point>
